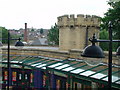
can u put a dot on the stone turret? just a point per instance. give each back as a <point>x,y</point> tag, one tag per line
<point>74,32</point>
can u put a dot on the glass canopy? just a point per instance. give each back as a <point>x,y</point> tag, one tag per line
<point>70,66</point>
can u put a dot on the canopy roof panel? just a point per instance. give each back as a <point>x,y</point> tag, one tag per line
<point>70,66</point>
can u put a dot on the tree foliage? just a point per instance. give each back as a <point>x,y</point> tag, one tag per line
<point>41,31</point>
<point>53,35</point>
<point>3,34</point>
<point>104,35</point>
<point>113,15</point>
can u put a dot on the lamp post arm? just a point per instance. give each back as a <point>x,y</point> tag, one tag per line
<point>95,40</point>
<point>98,40</point>
<point>116,40</point>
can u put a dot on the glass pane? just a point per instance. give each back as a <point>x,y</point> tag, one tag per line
<point>43,68</point>
<point>63,66</point>
<point>114,78</point>
<point>41,65</point>
<point>68,69</point>
<point>15,66</point>
<point>77,71</point>
<point>4,61</point>
<point>118,82</point>
<point>14,61</point>
<point>54,65</point>
<point>36,64</point>
<point>87,73</point>
<point>98,75</point>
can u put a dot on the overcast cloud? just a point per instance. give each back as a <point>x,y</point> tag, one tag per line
<point>44,13</point>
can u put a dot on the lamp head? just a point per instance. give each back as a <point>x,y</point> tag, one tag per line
<point>93,55</point>
<point>93,51</point>
<point>19,44</point>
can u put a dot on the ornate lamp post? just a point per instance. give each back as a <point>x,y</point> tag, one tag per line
<point>94,51</point>
<point>18,43</point>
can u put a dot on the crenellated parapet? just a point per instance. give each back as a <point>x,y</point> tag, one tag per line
<point>80,20</point>
<point>75,31</point>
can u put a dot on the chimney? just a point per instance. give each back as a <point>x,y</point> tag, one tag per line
<point>25,33</point>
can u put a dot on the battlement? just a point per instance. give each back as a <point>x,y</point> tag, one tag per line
<point>80,20</point>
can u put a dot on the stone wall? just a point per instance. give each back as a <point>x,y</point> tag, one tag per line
<point>74,32</point>
<point>73,53</point>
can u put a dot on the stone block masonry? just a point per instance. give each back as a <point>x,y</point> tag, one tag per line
<point>74,32</point>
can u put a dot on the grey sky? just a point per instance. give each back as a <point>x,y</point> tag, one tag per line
<point>44,13</point>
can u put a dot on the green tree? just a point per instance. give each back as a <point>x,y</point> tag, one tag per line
<point>104,35</point>
<point>53,35</point>
<point>3,34</point>
<point>113,15</point>
<point>41,31</point>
